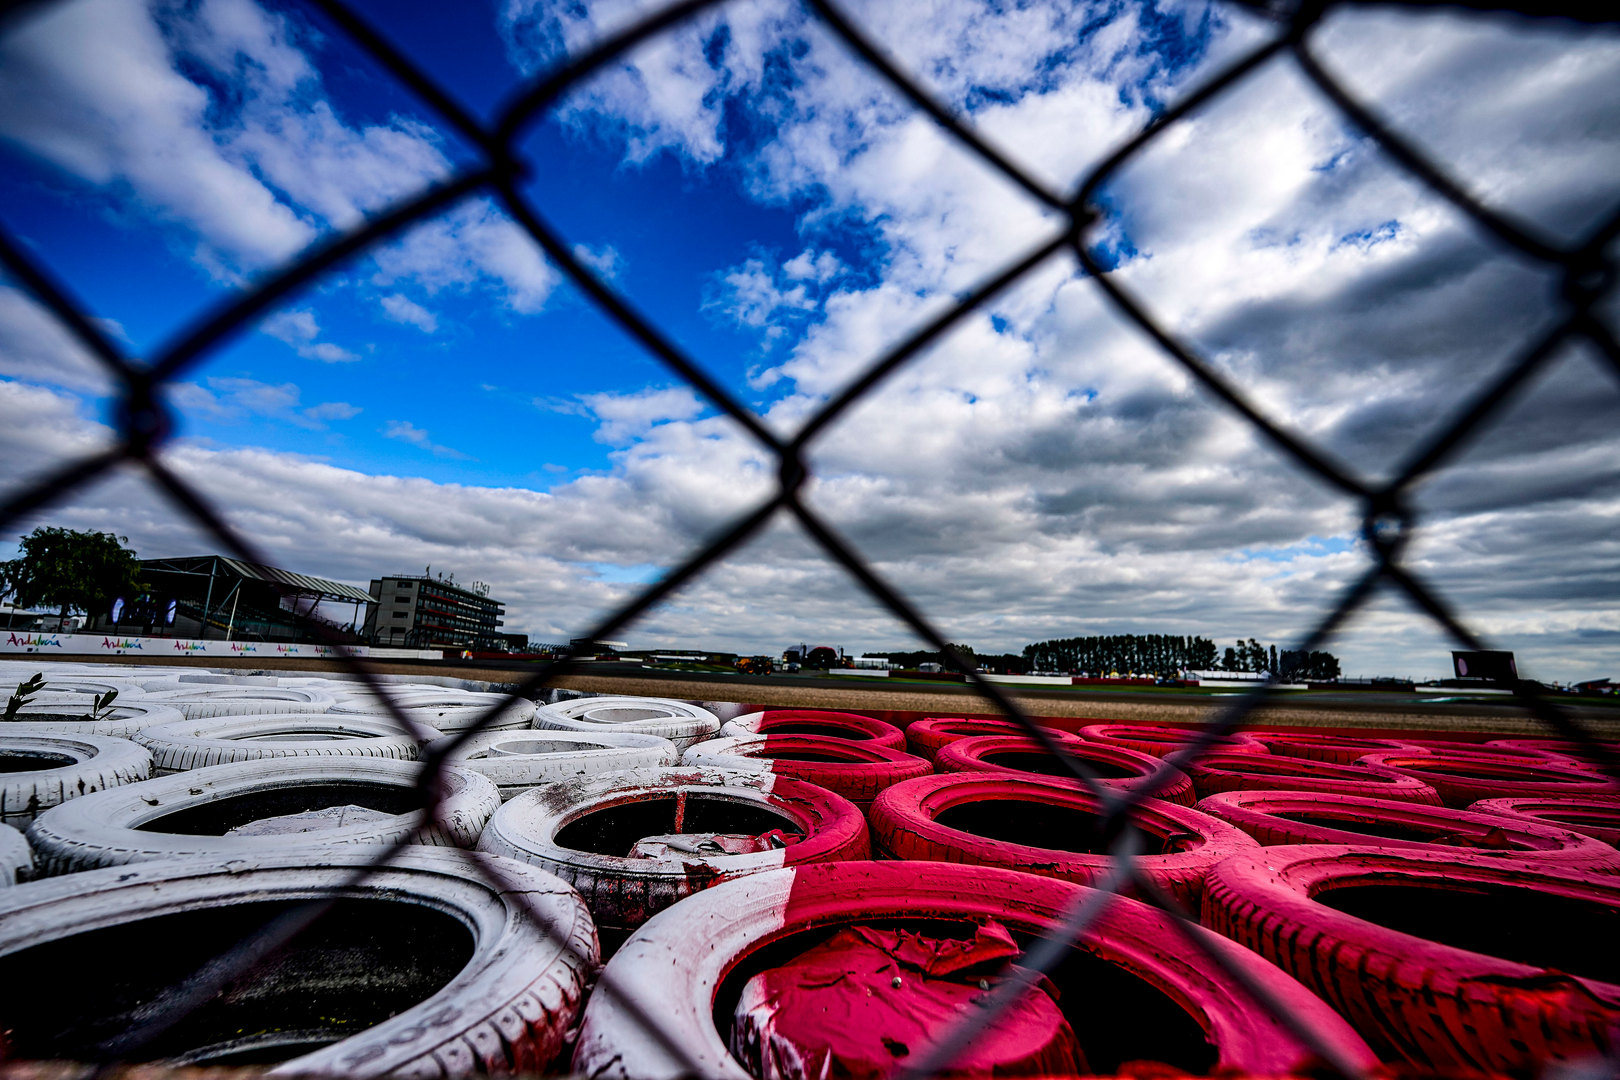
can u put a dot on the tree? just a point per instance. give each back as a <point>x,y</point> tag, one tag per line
<point>70,570</point>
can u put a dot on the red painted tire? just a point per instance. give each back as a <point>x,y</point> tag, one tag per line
<point>925,737</point>
<point>1598,818</point>
<point>1594,755</point>
<point>1334,749</point>
<point>1021,755</point>
<point>857,771</point>
<point>1401,952</point>
<point>831,725</point>
<point>988,819</point>
<point>1298,817</point>
<point>1507,754</point>
<point>1464,779</point>
<point>1138,991</point>
<point>1216,772</point>
<point>1162,739</point>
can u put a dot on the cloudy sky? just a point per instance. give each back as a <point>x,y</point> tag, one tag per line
<point>450,399</point>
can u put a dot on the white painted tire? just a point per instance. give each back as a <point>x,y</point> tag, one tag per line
<point>16,857</point>
<point>126,825</point>
<point>69,766</point>
<point>519,760</point>
<point>514,945</point>
<point>447,710</point>
<point>75,688</point>
<point>678,721</point>
<point>121,720</point>
<point>196,744</point>
<point>196,703</point>
<point>623,892</point>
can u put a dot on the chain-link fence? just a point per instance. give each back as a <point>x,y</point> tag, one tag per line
<point>1586,269</point>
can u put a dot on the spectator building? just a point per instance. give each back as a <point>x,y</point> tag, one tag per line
<point>225,599</point>
<point>421,612</point>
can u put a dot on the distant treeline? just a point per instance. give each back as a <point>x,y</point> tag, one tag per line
<point>1008,663</point>
<point>1143,654</point>
<point>1168,654</point>
<point>1159,654</point>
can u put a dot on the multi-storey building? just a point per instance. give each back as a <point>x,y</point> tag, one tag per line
<point>417,611</point>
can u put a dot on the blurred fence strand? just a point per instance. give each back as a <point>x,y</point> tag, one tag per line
<point>144,424</point>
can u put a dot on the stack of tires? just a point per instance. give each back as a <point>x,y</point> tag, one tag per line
<point>798,893</point>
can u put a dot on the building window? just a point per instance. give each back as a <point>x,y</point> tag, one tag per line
<point>398,615</point>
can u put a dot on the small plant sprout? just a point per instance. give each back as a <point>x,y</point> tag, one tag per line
<point>23,693</point>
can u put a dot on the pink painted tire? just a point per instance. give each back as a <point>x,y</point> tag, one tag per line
<point>925,737</point>
<point>1334,749</point>
<point>1150,994</point>
<point>1487,752</point>
<point>1598,817</point>
<point>1295,817</point>
<point>857,771</point>
<point>1162,739</point>
<point>990,819</point>
<point>1408,946</point>
<point>1216,772</point>
<point>831,725</point>
<point>1464,779</point>
<point>1020,755</point>
<point>1584,754</point>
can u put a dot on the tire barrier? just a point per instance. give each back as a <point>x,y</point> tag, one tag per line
<point>1138,992</point>
<point>248,808</point>
<point>519,760</point>
<point>1115,766</point>
<point>634,843</point>
<point>1333,749</point>
<point>200,702</point>
<point>1045,827</point>
<point>447,710</point>
<point>832,725</point>
<point>1293,817</point>
<point>196,744</point>
<point>857,771</point>
<point>428,967</point>
<point>1161,739</point>
<point>1463,779</point>
<point>120,720</point>
<point>1216,772</point>
<point>16,857</point>
<point>926,737</point>
<point>1444,960</point>
<point>42,770</point>
<point>1598,818</point>
<point>681,723</point>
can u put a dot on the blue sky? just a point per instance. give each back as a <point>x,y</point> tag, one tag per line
<point>450,399</point>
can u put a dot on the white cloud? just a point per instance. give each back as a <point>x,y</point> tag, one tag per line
<point>625,418</point>
<point>1043,469</point>
<point>407,432</point>
<point>298,327</point>
<point>402,309</point>
<point>100,89</point>
<point>35,346</point>
<point>233,399</point>
<point>605,260</point>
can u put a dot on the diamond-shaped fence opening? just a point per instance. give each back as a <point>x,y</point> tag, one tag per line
<point>1585,267</point>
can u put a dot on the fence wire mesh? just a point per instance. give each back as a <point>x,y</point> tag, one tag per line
<point>1586,269</point>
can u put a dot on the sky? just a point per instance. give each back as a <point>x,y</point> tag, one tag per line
<point>450,399</point>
